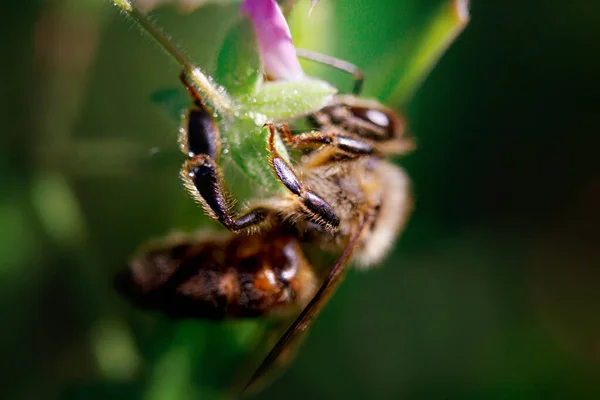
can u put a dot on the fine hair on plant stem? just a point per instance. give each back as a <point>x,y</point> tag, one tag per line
<point>214,94</point>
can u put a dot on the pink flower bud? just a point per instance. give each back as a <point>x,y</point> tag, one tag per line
<point>277,52</point>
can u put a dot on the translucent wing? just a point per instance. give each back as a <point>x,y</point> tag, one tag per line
<point>303,321</point>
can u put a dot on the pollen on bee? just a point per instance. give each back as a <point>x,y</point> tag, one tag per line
<point>228,286</point>
<point>288,274</point>
<point>265,280</point>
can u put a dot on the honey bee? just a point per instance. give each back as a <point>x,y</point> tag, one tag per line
<point>343,196</point>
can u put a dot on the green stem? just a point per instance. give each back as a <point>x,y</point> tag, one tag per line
<point>216,95</point>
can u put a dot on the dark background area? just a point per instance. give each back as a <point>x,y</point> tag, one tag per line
<point>492,292</point>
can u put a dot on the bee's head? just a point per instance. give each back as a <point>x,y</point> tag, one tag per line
<point>368,119</point>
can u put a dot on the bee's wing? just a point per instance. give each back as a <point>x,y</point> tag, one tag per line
<point>303,321</point>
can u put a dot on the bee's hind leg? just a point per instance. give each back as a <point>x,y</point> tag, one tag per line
<point>317,209</point>
<point>202,178</point>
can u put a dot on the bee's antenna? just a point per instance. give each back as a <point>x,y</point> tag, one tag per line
<point>216,96</point>
<point>336,63</point>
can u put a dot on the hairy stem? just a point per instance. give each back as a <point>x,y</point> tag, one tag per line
<point>215,95</point>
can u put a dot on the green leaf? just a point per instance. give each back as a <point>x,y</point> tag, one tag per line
<point>396,52</point>
<point>286,100</point>
<point>424,50</point>
<point>247,141</point>
<point>244,138</point>
<point>238,64</point>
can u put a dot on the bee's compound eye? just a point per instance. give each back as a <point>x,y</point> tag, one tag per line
<point>375,117</point>
<point>378,118</point>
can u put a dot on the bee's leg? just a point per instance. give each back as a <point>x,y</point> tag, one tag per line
<point>334,146</point>
<point>200,140</point>
<point>318,210</point>
<point>348,145</point>
<point>336,63</point>
<point>199,133</point>
<point>202,178</point>
<point>192,91</point>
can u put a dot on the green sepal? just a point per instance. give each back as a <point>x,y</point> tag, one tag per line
<point>288,100</point>
<point>238,63</point>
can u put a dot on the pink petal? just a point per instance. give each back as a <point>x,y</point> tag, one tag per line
<point>277,52</point>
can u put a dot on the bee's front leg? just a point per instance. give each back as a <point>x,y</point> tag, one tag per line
<point>331,145</point>
<point>342,143</point>
<point>314,206</point>
<point>200,141</point>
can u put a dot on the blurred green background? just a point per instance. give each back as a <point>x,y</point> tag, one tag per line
<point>492,292</point>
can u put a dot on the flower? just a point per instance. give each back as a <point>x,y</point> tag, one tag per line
<point>277,52</point>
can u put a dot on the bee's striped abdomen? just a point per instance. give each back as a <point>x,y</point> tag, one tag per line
<point>238,277</point>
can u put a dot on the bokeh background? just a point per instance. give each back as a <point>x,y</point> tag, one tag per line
<point>492,292</point>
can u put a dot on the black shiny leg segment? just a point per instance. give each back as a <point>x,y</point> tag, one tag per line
<point>199,133</point>
<point>200,141</point>
<point>202,178</point>
<point>317,209</point>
